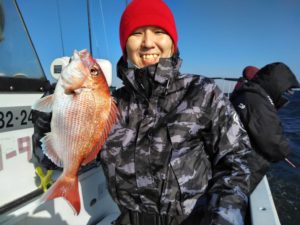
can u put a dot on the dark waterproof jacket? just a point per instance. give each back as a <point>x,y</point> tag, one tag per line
<point>41,121</point>
<point>257,102</point>
<point>178,149</point>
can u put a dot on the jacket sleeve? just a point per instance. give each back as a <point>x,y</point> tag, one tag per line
<point>228,146</point>
<point>266,131</point>
<point>264,128</point>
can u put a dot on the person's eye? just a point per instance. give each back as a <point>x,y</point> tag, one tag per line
<point>160,32</point>
<point>136,33</point>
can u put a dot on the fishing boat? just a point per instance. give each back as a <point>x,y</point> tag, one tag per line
<point>22,180</point>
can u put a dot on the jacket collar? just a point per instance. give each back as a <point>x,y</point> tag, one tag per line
<point>161,75</point>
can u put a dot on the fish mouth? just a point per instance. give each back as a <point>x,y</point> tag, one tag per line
<point>87,60</point>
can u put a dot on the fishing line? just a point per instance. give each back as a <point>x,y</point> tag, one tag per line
<point>89,26</point>
<point>93,41</point>
<point>60,27</point>
<point>290,163</point>
<point>104,28</point>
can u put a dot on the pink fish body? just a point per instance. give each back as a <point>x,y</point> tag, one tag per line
<point>83,113</point>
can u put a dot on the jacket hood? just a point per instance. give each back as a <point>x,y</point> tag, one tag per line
<point>275,79</point>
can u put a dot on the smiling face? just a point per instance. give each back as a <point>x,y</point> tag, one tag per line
<point>146,45</point>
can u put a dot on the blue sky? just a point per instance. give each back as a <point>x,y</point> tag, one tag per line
<point>216,38</point>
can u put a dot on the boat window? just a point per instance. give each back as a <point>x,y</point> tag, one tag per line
<point>18,58</point>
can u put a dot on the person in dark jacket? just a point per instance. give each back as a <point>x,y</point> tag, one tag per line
<point>178,152</point>
<point>257,102</point>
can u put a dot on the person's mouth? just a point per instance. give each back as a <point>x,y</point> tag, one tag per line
<point>149,59</point>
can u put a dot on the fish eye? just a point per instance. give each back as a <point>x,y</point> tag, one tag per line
<point>94,71</point>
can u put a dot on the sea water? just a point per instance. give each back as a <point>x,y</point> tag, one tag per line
<point>284,179</point>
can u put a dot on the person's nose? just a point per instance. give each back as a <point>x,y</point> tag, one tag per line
<point>148,39</point>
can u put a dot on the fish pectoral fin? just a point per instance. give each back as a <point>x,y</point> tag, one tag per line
<point>44,104</point>
<point>82,89</point>
<point>49,150</point>
<point>78,91</point>
<point>108,125</point>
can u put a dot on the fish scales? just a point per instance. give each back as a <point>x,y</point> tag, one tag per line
<point>73,138</point>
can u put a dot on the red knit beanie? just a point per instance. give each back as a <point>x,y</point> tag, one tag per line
<point>249,72</point>
<point>140,13</point>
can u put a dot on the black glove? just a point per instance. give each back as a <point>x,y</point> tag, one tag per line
<point>41,124</point>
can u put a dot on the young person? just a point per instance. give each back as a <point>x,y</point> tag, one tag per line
<point>177,153</point>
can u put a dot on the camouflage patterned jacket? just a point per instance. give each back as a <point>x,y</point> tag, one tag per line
<point>178,146</point>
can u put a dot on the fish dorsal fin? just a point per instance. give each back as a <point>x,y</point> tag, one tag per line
<point>49,149</point>
<point>109,123</point>
<point>44,104</point>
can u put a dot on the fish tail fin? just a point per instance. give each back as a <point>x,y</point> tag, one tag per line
<point>67,188</point>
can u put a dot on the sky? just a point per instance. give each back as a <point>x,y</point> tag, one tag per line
<point>216,37</point>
